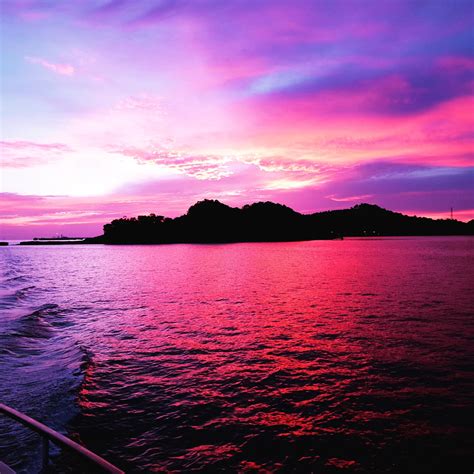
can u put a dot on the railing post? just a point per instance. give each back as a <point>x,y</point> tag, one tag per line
<point>45,453</point>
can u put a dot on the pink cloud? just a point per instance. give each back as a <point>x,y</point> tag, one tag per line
<point>211,167</point>
<point>329,128</point>
<point>282,163</point>
<point>58,68</point>
<point>456,62</point>
<point>206,167</point>
<point>33,15</point>
<point>23,144</point>
<point>23,154</point>
<point>362,197</point>
<point>141,102</point>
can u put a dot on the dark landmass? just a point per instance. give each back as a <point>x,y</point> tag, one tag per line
<point>211,221</point>
<point>3,244</point>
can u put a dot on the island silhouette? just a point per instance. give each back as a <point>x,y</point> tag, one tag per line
<point>210,221</point>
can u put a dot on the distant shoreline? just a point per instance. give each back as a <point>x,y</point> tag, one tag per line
<point>30,243</point>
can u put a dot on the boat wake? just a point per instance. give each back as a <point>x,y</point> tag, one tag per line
<point>41,366</point>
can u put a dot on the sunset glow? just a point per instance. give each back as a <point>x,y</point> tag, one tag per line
<point>125,107</point>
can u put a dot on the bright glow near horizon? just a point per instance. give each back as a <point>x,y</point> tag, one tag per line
<point>114,108</point>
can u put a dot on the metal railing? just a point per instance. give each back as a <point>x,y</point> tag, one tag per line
<point>47,434</point>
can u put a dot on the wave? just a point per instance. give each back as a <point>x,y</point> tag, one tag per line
<point>44,368</point>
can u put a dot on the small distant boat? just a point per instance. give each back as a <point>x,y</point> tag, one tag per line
<point>49,435</point>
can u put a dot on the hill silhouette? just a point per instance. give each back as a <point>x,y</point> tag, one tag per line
<point>211,221</point>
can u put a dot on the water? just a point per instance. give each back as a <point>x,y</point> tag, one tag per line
<point>333,356</point>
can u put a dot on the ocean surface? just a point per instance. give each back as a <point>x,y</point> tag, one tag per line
<point>325,356</point>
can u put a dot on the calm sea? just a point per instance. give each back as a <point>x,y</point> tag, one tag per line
<point>332,356</point>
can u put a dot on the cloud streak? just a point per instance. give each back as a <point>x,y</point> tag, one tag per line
<point>58,68</point>
<point>24,154</point>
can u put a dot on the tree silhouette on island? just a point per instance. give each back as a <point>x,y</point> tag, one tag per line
<point>211,221</point>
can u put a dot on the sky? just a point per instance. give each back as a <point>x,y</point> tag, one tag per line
<point>114,108</point>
